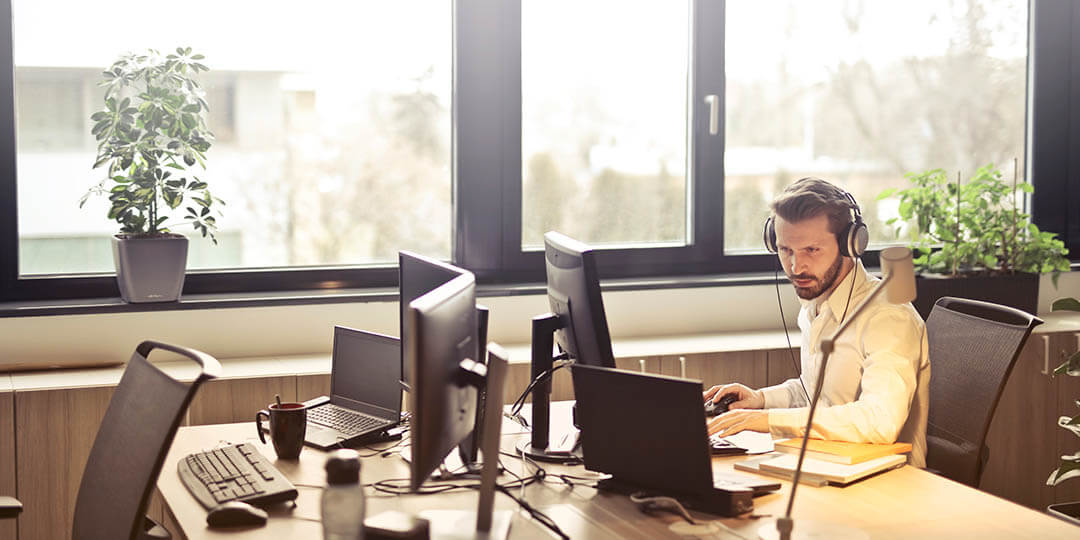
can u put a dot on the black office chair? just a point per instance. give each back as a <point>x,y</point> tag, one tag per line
<point>135,435</point>
<point>973,346</point>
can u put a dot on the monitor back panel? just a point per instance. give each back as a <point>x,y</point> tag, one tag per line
<point>643,429</point>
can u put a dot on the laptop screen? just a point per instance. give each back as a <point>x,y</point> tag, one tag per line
<point>365,372</point>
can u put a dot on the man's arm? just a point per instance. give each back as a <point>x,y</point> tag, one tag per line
<point>893,343</point>
<point>786,394</point>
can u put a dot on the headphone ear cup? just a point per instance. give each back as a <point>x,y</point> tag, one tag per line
<point>769,235</point>
<point>860,238</point>
<point>854,239</point>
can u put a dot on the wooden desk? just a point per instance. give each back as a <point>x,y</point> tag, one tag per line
<point>904,503</point>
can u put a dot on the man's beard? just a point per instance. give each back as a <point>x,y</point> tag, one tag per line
<point>821,284</point>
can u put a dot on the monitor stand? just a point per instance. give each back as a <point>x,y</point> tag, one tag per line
<point>543,343</point>
<point>483,523</point>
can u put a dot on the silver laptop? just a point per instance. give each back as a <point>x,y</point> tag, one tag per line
<point>365,398</point>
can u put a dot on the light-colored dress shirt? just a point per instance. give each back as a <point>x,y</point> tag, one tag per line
<point>877,381</point>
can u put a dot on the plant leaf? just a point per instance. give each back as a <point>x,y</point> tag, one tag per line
<point>887,193</point>
<point>1066,304</point>
<point>1070,366</point>
<point>1069,468</point>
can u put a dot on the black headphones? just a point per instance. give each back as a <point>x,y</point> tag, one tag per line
<point>852,240</point>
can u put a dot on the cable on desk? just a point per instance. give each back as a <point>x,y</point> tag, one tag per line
<point>547,374</point>
<point>565,478</point>
<point>378,452</point>
<point>543,518</point>
<point>400,486</point>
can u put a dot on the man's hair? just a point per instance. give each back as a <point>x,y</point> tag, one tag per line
<point>810,197</point>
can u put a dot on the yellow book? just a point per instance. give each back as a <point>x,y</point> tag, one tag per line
<point>846,453</point>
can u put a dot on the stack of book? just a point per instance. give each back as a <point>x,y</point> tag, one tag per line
<point>828,462</point>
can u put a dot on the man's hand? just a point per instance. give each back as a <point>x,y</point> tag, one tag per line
<point>748,399</point>
<point>733,422</point>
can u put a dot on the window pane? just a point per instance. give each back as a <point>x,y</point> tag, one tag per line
<point>332,125</point>
<point>604,88</point>
<point>862,92</point>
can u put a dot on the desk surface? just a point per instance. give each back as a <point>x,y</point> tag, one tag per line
<point>903,503</point>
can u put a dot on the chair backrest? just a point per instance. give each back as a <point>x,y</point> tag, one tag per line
<point>135,435</point>
<point>973,346</point>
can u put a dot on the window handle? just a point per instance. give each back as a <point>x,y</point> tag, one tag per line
<point>713,101</point>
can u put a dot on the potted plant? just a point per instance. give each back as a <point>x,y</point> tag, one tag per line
<point>1070,465</point>
<point>151,134</point>
<point>975,231</point>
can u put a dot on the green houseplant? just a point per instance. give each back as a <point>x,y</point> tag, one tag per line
<point>1070,464</point>
<point>151,136</point>
<point>975,230</point>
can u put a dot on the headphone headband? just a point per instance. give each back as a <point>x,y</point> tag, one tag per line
<point>852,240</point>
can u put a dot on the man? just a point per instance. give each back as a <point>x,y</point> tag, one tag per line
<point>876,386</point>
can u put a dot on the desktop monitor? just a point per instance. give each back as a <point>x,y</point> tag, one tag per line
<point>417,276</point>
<point>442,400</point>
<point>573,287</point>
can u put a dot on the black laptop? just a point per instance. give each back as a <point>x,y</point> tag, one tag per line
<point>649,433</point>
<point>365,398</point>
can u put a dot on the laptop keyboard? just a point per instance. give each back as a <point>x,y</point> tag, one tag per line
<point>727,480</point>
<point>720,446</point>
<point>344,420</point>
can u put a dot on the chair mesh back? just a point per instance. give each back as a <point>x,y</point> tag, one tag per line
<point>124,463</point>
<point>972,346</point>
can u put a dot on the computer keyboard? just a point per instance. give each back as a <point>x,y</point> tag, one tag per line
<point>234,473</point>
<point>344,420</point>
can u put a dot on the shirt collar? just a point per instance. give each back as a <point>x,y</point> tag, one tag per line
<point>837,300</point>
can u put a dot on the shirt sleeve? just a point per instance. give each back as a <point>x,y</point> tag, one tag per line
<point>786,394</point>
<point>892,346</point>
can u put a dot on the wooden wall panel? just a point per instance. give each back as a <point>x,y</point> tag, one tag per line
<point>237,400</point>
<point>1026,416</point>
<point>653,364</point>
<point>54,432</point>
<point>7,452</point>
<point>518,377</point>
<point>1068,393</point>
<point>312,386</point>
<point>746,367</point>
<point>781,367</point>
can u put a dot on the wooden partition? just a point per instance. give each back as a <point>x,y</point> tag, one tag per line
<point>7,451</point>
<point>54,430</point>
<point>48,422</point>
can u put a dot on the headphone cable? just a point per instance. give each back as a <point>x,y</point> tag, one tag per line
<point>780,305</point>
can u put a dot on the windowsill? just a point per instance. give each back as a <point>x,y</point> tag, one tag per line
<point>337,296</point>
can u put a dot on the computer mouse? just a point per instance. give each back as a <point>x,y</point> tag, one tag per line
<point>713,408</point>
<point>235,514</point>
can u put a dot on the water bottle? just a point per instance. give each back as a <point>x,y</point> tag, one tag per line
<point>343,498</point>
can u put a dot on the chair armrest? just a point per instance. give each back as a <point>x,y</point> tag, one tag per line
<point>9,507</point>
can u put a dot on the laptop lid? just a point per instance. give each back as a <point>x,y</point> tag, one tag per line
<point>647,430</point>
<point>365,371</point>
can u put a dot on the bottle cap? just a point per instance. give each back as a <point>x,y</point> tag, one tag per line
<point>343,467</point>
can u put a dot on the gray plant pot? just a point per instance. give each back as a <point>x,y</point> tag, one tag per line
<point>150,269</point>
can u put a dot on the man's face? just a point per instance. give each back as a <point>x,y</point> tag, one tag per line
<point>810,255</point>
